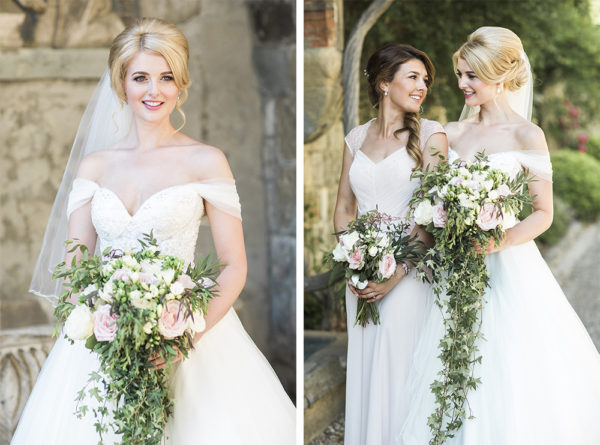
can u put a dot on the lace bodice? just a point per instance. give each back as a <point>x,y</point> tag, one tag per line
<point>173,214</point>
<point>385,184</point>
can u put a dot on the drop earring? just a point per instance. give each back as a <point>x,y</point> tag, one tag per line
<point>385,93</point>
<point>498,90</point>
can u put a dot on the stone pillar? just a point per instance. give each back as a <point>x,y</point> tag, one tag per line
<point>323,130</point>
<point>275,63</point>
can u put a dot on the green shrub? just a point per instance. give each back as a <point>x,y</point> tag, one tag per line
<point>577,181</point>
<point>593,147</point>
<point>560,224</point>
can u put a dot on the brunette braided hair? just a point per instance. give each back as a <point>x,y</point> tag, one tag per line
<point>382,67</point>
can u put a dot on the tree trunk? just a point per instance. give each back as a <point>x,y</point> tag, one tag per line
<point>351,60</point>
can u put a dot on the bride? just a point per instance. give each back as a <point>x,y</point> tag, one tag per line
<point>540,374</point>
<point>379,158</point>
<point>153,177</point>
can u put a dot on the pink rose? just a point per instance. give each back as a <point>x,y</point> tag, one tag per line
<point>105,323</point>
<point>186,281</point>
<point>439,215</point>
<point>488,217</point>
<point>356,259</point>
<point>387,266</point>
<point>121,275</point>
<point>172,322</point>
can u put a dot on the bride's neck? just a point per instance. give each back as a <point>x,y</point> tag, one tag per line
<point>148,136</point>
<point>495,111</point>
<point>389,120</point>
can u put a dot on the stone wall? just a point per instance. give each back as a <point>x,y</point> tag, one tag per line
<point>53,53</point>
<point>323,130</point>
<point>274,55</point>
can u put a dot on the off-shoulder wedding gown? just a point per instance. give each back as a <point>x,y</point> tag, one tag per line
<point>226,393</point>
<point>540,372</point>
<point>379,356</point>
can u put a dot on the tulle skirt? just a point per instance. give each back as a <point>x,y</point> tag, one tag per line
<point>225,393</point>
<point>540,371</point>
<point>379,358</point>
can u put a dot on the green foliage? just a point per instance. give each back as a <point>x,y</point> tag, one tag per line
<point>313,311</point>
<point>563,216</point>
<point>577,181</point>
<point>458,272</point>
<point>132,394</point>
<point>593,147</point>
<point>370,240</point>
<point>559,37</point>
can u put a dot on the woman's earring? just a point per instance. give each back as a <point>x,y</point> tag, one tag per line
<point>385,93</point>
<point>498,90</point>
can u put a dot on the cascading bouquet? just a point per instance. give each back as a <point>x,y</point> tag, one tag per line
<point>369,250</point>
<point>462,204</point>
<point>132,307</point>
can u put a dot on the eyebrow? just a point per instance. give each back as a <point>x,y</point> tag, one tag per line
<point>144,72</point>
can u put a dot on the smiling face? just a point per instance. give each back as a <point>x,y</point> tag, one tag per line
<point>477,92</point>
<point>150,87</point>
<point>408,88</point>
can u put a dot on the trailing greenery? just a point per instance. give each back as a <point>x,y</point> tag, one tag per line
<point>593,147</point>
<point>576,178</point>
<point>461,204</point>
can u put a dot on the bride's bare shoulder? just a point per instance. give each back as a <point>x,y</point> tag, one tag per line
<point>208,161</point>
<point>93,164</point>
<point>530,136</point>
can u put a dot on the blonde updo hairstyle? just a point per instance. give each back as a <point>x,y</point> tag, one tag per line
<point>495,55</point>
<point>153,36</point>
<point>382,67</point>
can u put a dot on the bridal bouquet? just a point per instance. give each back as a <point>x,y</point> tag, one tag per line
<point>369,250</point>
<point>132,307</point>
<point>462,204</point>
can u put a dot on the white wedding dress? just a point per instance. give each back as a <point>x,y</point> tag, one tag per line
<point>225,393</point>
<point>379,356</point>
<point>540,374</point>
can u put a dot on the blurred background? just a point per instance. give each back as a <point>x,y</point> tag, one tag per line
<point>242,100</point>
<point>562,40</point>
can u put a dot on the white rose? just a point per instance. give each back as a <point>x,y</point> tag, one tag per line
<point>493,195</point>
<point>487,185</point>
<point>167,275</point>
<point>130,262</point>
<point>373,250</point>
<point>176,288</point>
<point>107,292</point>
<point>138,300</point>
<point>508,219</point>
<point>339,254</point>
<point>355,280</point>
<point>89,289</point>
<point>206,282</point>
<point>464,201</point>
<point>153,293</point>
<point>348,240</point>
<point>443,192</point>
<point>503,190</point>
<point>384,241</point>
<point>198,324</point>
<point>79,324</point>
<point>153,267</point>
<point>424,213</point>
